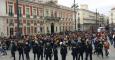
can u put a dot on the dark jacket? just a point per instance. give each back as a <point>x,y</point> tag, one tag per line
<point>63,50</point>
<point>26,49</point>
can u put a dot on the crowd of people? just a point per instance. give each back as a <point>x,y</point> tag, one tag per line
<point>46,46</point>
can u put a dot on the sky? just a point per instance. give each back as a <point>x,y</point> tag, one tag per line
<point>102,6</point>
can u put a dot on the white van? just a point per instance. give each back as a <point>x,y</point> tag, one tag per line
<point>101,29</point>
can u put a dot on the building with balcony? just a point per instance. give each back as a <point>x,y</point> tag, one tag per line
<point>89,20</point>
<point>34,17</point>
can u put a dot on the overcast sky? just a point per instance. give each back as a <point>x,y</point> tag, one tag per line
<point>103,6</point>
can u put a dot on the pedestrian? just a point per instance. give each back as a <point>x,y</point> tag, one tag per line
<point>114,39</point>
<point>63,51</point>
<point>100,48</point>
<point>13,49</point>
<point>75,51</point>
<point>48,51</point>
<point>41,49</point>
<point>27,50</point>
<point>106,47</point>
<point>55,51</point>
<point>4,48</point>
<point>88,50</point>
<point>34,47</point>
<point>81,49</point>
<point>20,48</point>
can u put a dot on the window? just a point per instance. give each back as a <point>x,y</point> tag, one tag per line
<point>51,12</point>
<point>7,31</point>
<point>41,29</point>
<point>60,28</point>
<point>47,30</point>
<point>35,30</point>
<point>28,30</point>
<point>20,29</point>
<point>63,28</point>
<point>20,23</point>
<point>28,23</point>
<point>47,12</point>
<point>11,31</point>
<point>10,10</point>
<point>20,11</point>
<point>34,13</point>
<point>56,29</point>
<point>11,22</point>
<point>27,13</point>
<point>55,13</point>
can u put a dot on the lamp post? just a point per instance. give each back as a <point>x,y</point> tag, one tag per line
<point>18,35</point>
<point>112,21</point>
<point>75,6</point>
<point>96,20</point>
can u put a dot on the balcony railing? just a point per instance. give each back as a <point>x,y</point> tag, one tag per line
<point>20,15</point>
<point>52,18</point>
<point>11,14</point>
<point>27,16</point>
<point>28,24</point>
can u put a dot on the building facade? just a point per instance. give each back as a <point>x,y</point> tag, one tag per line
<point>112,16</point>
<point>35,17</point>
<point>89,20</point>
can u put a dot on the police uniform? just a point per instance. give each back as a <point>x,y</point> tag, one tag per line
<point>21,50</point>
<point>63,52</point>
<point>81,49</point>
<point>48,51</point>
<point>55,52</point>
<point>13,49</point>
<point>88,51</point>
<point>27,50</point>
<point>75,50</point>
<point>34,47</point>
<point>39,51</point>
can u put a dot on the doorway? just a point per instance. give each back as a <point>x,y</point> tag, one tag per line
<point>52,27</point>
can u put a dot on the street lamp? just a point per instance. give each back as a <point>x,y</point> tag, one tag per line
<point>75,6</point>
<point>96,20</point>
<point>18,35</point>
<point>112,20</point>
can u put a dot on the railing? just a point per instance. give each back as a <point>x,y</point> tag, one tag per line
<point>20,15</point>
<point>11,14</point>
<point>52,18</point>
<point>28,16</point>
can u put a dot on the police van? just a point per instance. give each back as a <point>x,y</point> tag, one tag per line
<point>101,29</point>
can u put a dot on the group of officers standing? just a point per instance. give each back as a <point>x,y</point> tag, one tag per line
<point>47,46</point>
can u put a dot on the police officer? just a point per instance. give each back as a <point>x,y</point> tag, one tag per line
<point>100,48</point>
<point>81,48</point>
<point>63,51</point>
<point>55,52</point>
<point>13,49</point>
<point>27,50</point>
<point>35,47</point>
<point>88,50</point>
<point>21,49</point>
<point>48,51</point>
<point>41,49</point>
<point>75,50</point>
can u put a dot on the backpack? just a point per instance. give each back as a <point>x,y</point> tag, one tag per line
<point>106,45</point>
